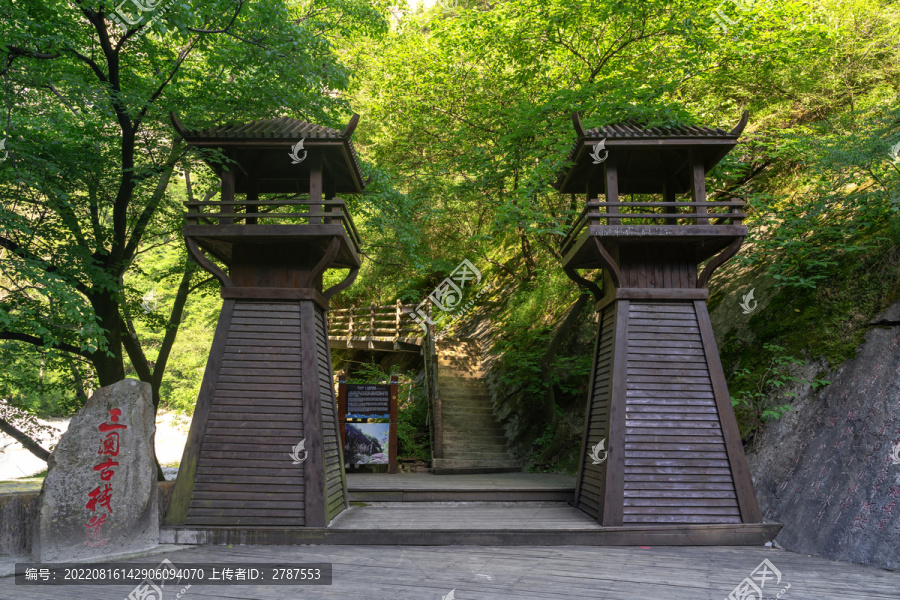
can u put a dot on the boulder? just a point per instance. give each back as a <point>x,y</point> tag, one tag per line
<point>826,469</point>
<point>100,496</point>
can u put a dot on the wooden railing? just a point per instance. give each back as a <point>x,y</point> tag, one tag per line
<point>293,211</point>
<point>375,323</point>
<point>653,213</point>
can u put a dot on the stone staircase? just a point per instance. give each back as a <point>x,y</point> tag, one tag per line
<point>473,439</point>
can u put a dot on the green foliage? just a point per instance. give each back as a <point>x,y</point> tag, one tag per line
<point>758,390</point>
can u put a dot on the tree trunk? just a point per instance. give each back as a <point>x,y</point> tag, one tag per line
<point>23,439</point>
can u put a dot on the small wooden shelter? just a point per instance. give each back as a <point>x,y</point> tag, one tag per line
<point>661,443</point>
<point>268,383</point>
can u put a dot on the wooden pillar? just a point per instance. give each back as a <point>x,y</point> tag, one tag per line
<point>313,473</point>
<point>611,175</point>
<point>393,447</point>
<point>669,196</point>
<point>342,408</point>
<point>698,186</point>
<point>659,406</point>
<point>227,196</point>
<point>252,196</point>
<point>262,394</point>
<point>315,187</point>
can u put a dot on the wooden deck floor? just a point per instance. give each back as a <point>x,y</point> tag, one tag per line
<point>521,573</point>
<point>465,515</point>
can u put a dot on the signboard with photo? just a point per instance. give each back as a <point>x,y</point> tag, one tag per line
<point>367,443</point>
<point>365,440</point>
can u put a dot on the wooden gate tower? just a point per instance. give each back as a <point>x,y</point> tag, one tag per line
<point>268,383</point>
<point>661,443</point>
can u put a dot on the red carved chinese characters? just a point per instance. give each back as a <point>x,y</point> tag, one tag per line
<point>101,496</point>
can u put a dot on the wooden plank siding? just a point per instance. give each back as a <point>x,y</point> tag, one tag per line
<point>677,467</point>
<point>592,478</point>
<point>244,473</point>
<point>335,482</point>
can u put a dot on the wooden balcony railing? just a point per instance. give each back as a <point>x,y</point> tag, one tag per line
<point>375,324</point>
<point>294,211</point>
<point>672,214</point>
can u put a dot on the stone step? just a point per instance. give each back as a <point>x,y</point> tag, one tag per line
<point>481,457</point>
<point>460,361</point>
<point>461,375</point>
<point>468,385</point>
<point>494,439</point>
<point>447,466</point>
<point>487,438</point>
<point>474,411</point>
<point>461,420</point>
<point>480,436</point>
<point>478,445</point>
<point>462,402</point>
<point>462,387</point>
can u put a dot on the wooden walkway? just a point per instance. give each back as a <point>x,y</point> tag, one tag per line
<point>472,516</point>
<point>521,573</point>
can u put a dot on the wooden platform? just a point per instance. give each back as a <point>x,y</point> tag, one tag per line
<point>475,524</point>
<point>504,573</point>
<point>495,487</point>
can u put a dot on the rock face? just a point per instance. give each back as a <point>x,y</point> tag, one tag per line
<point>826,469</point>
<point>100,495</point>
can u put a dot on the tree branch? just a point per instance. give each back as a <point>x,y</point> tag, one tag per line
<point>36,341</point>
<point>23,439</point>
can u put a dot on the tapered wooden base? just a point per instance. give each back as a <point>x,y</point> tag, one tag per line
<point>659,403</point>
<point>268,385</point>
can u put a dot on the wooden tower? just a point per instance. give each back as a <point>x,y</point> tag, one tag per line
<point>661,443</point>
<point>268,382</point>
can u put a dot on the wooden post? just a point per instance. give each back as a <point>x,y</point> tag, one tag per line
<point>350,329</point>
<point>315,187</point>
<point>611,173</point>
<point>371,326</point>
<point>342,408</point>
<point>315,510</point>
<point>698,186</point>
<point>591,189</point>
<point>252,196</point>
<point>669,196</point>
<point>397,326</point>
<point>227,196</point>
<point>393,447</point>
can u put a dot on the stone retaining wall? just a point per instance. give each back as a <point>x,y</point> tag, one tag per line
<point>18,512</point>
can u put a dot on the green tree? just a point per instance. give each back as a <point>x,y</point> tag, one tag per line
<point>87,185</point>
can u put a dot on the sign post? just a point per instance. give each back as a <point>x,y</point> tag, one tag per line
<point>368,401</point>
<point>392,456</point>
